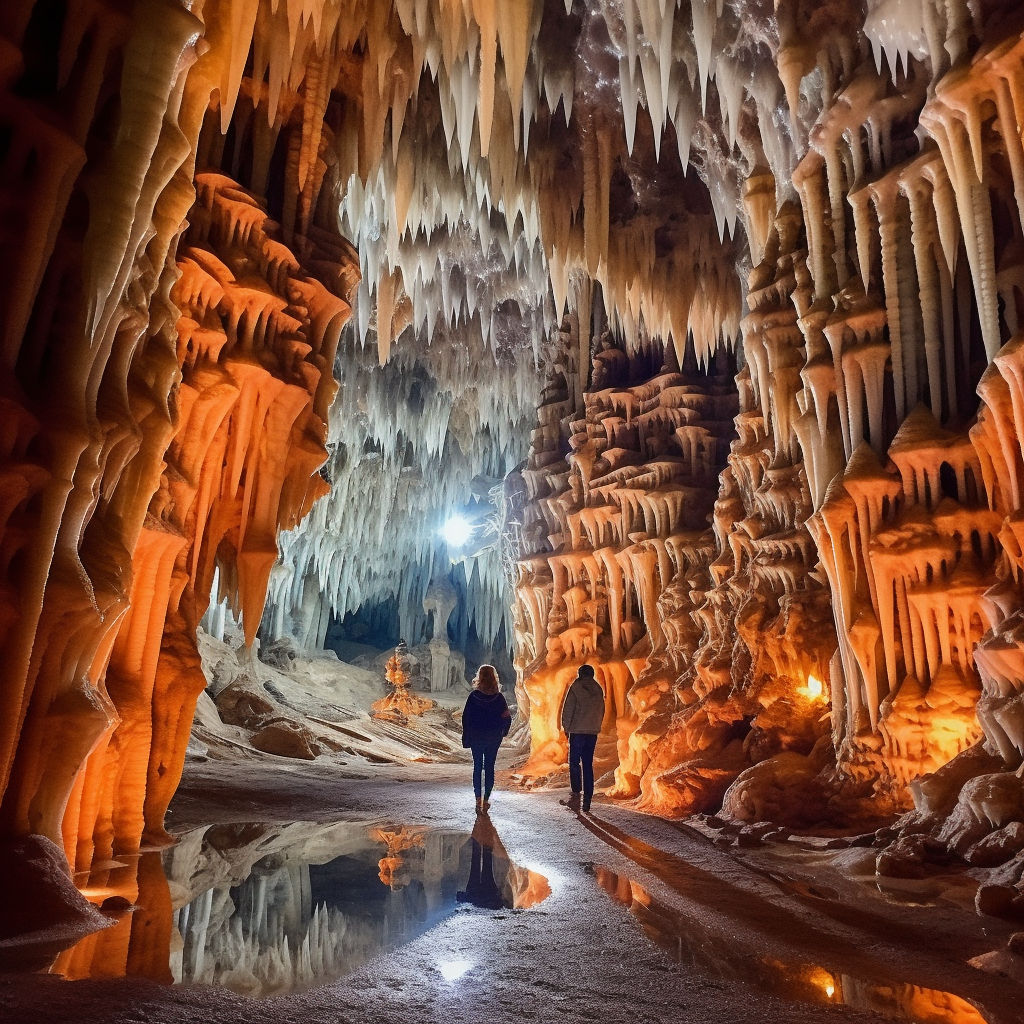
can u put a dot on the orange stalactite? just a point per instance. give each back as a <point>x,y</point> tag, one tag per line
<point>241,464</point>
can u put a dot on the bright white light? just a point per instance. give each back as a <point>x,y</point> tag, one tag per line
<point>456,531</point>
<point>814,690</point>
<point>452,970</point>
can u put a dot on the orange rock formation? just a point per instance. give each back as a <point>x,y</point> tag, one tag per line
<point>400,702</point>
<point>167,381</point>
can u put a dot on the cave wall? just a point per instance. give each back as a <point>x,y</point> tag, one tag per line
<point>851,620</point>
<point>169,352</point>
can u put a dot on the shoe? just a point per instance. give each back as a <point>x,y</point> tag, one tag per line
<point>479,805</point>
<point>586,807</point>
<point>573,803</point>
<point>486,804</point>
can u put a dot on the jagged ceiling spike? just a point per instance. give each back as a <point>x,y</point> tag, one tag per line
<point>242,22</point>
<point>704,21</point>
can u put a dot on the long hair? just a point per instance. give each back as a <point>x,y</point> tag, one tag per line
<point>486,680</point>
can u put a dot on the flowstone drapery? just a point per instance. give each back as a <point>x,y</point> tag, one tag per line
<point>168,378</point>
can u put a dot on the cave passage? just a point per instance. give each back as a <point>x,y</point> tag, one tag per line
<point>352,349</point>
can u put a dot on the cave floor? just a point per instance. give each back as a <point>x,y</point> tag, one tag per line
<point>646,921</point>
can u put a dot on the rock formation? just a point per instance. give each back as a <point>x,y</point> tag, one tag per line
<point>399,702</point>
<point>169,375</point>
<point>863,559</point>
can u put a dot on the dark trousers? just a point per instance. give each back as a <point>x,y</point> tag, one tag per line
<point>485,751</point>
<point>581,762</point>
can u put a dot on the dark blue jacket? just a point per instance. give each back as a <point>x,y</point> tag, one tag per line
<point>484,716</point>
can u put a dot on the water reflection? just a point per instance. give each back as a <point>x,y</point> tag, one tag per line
<point>525,889</point>
<point>268,909</point>
<point>481,889</point>
<point>690,943</point>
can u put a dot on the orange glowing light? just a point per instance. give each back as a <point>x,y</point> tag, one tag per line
<point>814,690</point>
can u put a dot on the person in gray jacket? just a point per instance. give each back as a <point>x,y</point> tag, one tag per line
<point>582,717</point>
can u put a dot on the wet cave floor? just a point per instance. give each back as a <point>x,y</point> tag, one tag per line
<point>309,893</point>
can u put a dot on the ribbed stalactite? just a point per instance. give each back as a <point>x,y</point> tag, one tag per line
<point>864,559</point>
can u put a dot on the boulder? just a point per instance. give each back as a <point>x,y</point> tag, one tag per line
<point>936,794</point>
<point>986,803</point>
<point>43,912</point>
<point>997,847</point>
<point>286,738</point>
<point>786,790</point>
<point>239,703</point>
<point>912,856</point>
<point>280,654</point>
<point>995,900</point>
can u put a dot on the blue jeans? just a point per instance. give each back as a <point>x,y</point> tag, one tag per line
<point>485,752</point>
<point>581,762</point>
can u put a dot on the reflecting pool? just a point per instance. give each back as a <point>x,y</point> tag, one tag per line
<point>688,942</point>
<point>268,909</point>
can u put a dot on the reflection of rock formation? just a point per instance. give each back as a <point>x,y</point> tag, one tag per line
<point>264,909</point>
<point>139,941</point>
<point>693,942</point>
<point>397,841</point>
<point>287,909</point>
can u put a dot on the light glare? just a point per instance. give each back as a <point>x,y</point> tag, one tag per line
<point>456,531</point>
<point>452,970</point>
<point>814,690</point>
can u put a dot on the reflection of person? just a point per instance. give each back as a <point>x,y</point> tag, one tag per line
<point>481,889</point>
<point>582,716</point>
<point>486,721</point>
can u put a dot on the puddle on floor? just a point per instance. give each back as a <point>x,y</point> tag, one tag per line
<point>269,909</point>
<point>690,943</point>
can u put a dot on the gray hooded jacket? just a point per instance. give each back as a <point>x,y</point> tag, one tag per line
<point>583,710</point>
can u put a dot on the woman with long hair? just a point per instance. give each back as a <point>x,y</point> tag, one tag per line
<point>486,721</point>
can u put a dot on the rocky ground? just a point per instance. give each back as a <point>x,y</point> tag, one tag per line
<point>647,921</point>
